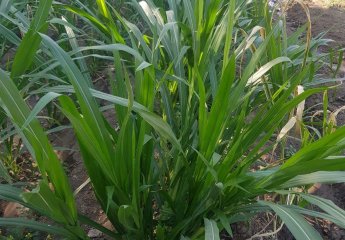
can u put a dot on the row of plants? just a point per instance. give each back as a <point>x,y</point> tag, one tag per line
<point>202,90</point>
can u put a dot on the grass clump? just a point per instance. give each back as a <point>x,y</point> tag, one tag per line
<point>202,91</point>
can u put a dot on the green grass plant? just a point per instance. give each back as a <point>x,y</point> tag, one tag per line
<point>201,94</point>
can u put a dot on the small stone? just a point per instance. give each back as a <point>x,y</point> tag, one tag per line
<point>108,225</point>
<point>94,233</point>
<point>11,210</point>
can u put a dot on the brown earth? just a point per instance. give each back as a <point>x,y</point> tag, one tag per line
<point>325,19</point>
<point>329,21</point>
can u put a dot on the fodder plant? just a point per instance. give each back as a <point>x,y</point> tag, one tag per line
<point>201,92</point>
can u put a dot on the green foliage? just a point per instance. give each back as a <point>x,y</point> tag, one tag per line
<point>30,43</point>
<point>201,93</point>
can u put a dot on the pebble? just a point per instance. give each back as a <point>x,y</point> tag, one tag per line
<point>11,210</point>
<point>94,233</point>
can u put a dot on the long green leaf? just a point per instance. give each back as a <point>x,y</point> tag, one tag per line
<point>33,225</point>
<point>37,142</point>
<point>316,177</point>
<point>154,120</point>
<point>88,104</point>
<point>327,206</point>
<point>211,230</point>
<point>32,40</point>
<point>297,225</point>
